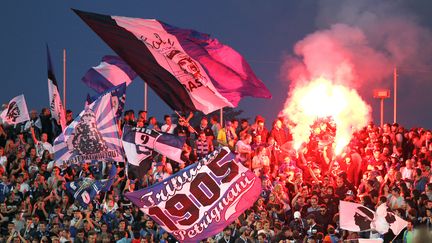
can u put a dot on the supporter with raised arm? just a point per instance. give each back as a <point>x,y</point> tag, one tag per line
<point>43,144</point>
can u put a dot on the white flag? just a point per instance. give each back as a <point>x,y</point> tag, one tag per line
<point>356,217</point>
<point>16,111</point>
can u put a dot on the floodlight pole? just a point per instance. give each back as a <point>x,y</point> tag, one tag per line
<point>382,112</point>
<point>381,94</point>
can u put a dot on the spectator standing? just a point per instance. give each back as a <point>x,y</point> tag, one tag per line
<point>153,124</point>
<point>202,146</point>
<point>43,144</point>
<point>168,127</point>
<point>203,127</point>
<point>259,129</point>
<point>278,133</point>
<point>227,136</point>
<point>244,150</point>
<point>215,127</point>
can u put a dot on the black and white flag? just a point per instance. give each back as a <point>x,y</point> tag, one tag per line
<point>56,106</point>
<point>358,218</point>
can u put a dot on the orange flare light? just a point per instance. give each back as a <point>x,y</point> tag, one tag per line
<point>321,98</point>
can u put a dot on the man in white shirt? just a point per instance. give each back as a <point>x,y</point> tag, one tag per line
<point>168,127</point>
<point>408,171</point>
<point>42,145</point>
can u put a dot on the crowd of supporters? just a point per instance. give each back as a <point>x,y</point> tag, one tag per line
<point>301,188</point>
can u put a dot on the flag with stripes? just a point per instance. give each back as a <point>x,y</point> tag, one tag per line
<point>139,142</point>
<point>15,111</point>
<point>92,136</point>
<point>111,72</point>
<point>189,70</point>
<point>118,98</point>
<point>56,106</point>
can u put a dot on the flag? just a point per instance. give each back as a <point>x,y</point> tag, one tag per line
<point>56,106</point>
<point>85,189</point>
<point>356,217</point>
<point>118,98</point>
<point>112,71</point>
<point>145,164</point>
<point>386,219</point>
<point>92,136</point>
<point>139,142</point>
<point>189,70</point>
<point>16,111</point>
<point>202,199</point>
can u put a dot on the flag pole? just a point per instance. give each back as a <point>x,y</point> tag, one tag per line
<point>145,97</point>
<point>64,78</point>
<point>221,117</point>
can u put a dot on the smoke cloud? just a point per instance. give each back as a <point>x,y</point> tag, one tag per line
<point>355,47</point>
<point>358,43</point>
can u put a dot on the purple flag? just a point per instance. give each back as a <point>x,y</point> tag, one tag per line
<point>111,72</point>
<point>202,199</point>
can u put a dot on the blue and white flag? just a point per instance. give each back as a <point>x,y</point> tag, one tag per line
<point>202,199</point>
<point>112,71</point>
<point>118,98</point>
<point>85,189</point>
<point>16,111</point>
<point>92,136</point>
<point>139,142</point>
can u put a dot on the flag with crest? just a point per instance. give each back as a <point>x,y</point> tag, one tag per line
<point>92,136</point>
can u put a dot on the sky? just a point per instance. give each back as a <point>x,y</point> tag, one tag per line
<point>264,32</point>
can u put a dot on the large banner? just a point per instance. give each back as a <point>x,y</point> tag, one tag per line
<point>202,199</point>
<point>92,136</point>
<point>139,142</point>
<point>16,111</point>
<point>189,70</point>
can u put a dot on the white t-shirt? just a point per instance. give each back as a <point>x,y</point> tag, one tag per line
<point>24,187</point>
<point>407,173</point>
<point>3,161</point>
<point>42,146</point>
<point>164,128</point>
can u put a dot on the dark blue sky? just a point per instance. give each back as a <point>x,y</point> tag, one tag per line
<point>264,32</point>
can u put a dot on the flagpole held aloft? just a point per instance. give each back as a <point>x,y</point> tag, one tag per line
<point>221,117</point>
<point>64,78</point>
<point>145,96</point>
